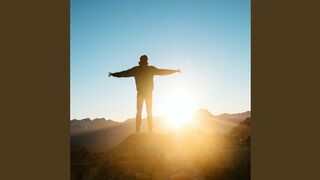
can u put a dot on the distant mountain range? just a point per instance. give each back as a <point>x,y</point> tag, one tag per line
<point>87,125</point>
<point>235,118</point>
<point>101,134</point>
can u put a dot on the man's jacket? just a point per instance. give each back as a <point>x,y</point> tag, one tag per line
<point>143,76</point>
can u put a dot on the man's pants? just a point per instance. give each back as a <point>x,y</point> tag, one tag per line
<point>140,98</point>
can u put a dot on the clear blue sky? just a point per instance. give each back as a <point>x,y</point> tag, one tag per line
<point>208,39</point>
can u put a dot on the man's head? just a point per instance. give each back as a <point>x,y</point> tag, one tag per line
<point>143,60</point>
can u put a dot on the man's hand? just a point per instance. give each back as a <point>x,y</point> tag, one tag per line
<point>110,74</point>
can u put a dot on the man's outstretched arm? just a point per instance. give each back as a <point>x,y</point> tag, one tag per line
<point>126,73</point>
<point>163,72</point>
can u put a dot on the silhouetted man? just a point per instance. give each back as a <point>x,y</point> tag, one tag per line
<point>143,75</point>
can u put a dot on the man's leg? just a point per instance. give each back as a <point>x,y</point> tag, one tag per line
<point>149,112</point>
<point>139,111</point>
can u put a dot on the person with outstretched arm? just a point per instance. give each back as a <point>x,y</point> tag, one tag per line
<point>143,75</point>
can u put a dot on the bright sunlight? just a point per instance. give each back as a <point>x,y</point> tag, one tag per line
<point>177,107</point>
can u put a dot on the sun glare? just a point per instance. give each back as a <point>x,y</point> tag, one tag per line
<point>177,108</point>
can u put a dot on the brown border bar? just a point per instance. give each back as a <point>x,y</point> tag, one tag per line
<point>285,95</point>
<point>35,85</point>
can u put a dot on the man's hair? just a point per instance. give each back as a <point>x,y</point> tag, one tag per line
<point>143,60</point>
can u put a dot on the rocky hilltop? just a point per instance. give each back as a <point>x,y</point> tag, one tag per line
<point>193,155</point>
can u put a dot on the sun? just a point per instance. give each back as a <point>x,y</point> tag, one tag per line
<point>177,108</point>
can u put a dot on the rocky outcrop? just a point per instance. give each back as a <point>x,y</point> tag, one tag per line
<point>191,155</point>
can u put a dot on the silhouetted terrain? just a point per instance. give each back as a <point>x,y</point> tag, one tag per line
<point>188,155</point>
<point>113,152</point>
<point>101,135</point>
<point>107,137</point>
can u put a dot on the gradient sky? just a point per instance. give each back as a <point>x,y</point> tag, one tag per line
<point>208,39</point>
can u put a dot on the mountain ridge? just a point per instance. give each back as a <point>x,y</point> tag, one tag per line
<point>202,111</point>
<point>100,134</point>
